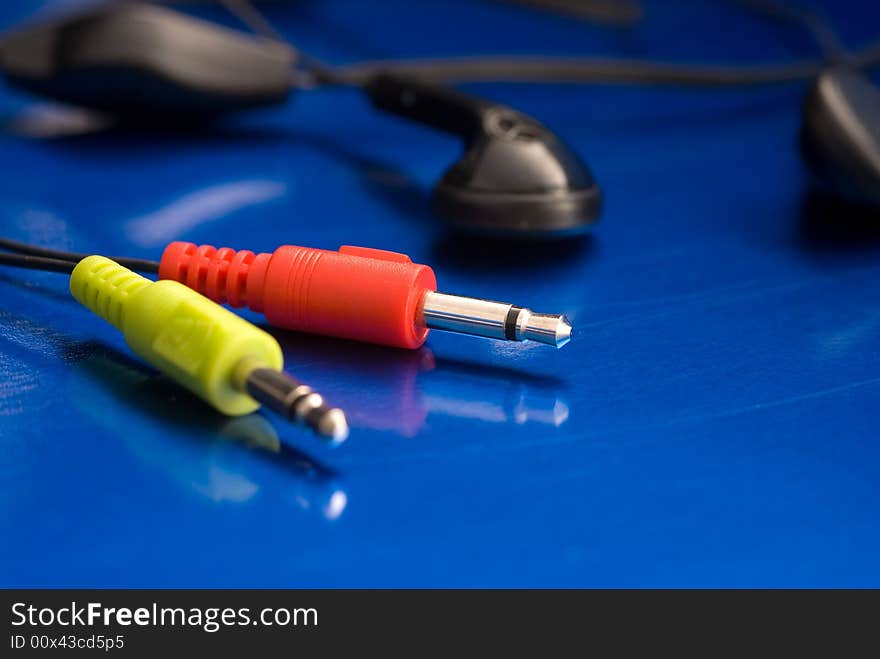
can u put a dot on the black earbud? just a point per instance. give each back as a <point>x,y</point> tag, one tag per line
<point>515,178</point>
<point>840,135</point>
<point>141,61</point>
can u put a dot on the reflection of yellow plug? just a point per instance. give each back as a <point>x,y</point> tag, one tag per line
<point>217,355</point>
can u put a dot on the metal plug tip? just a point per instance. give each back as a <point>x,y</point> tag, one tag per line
<point>550,329</point>
<point>333,425</point>
<point>296,401</point>
<point>563,332</point>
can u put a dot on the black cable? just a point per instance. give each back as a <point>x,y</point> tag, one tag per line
<point>36,263</point>
<point>528,68</point>
<point>609,12</point>
<point>247,13</point>
<point>592,70</point>
<point>525,68</point>
<point>574,70</point>
<point>140,265</point>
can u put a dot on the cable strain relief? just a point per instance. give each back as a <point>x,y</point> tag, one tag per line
<point>104,287</point>
<point>219,274</point>
<point>256,282</point>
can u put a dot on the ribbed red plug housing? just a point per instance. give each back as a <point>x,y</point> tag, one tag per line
<point>356,293</point>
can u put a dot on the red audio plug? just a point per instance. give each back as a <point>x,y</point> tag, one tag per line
<point>356,293</point>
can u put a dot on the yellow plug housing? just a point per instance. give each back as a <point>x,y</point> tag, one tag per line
<point>196,342</point>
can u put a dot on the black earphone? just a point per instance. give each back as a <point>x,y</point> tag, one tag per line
<point>516,178</point>
<point>143,63</point>
<point>840,136</point>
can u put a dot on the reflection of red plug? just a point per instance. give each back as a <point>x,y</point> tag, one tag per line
<point>356,293</point>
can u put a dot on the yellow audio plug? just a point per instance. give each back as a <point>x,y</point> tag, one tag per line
<point>220,357</point>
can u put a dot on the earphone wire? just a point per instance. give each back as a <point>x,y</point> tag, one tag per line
<point>248,14</point>
<point>560,69</point>
<point>31,262</point>
<point>49,254</point>
<point>317,72</point>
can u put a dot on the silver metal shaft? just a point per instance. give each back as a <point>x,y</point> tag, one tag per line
<point>495,320</point>
<point>283,394</point>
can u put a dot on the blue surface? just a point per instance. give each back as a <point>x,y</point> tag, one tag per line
<point>713,422</point>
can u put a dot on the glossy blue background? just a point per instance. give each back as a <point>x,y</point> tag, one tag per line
<point>713,422</point>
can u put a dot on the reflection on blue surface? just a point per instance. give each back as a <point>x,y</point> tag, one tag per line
<point>712,422</point>
<point>162,226</point>
<point>200,450</point>
<point>403,391</point>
